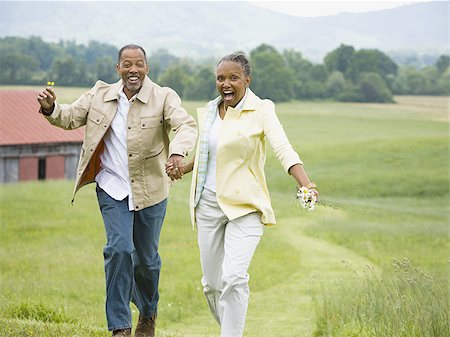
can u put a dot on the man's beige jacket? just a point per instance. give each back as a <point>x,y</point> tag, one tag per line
<point>153,113</point>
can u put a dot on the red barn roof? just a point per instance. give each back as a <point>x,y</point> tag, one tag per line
<point>21,123</point>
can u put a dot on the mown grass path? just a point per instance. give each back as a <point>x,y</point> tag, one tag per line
<point>321,262</point>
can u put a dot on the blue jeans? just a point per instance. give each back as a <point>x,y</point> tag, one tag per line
<point>132,262</point>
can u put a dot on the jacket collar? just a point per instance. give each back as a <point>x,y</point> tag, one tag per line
<point>251,101</point>
<point>143,95</point>
<point>249,104</point>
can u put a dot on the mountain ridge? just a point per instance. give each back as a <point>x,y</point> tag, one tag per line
<point>211,29</point>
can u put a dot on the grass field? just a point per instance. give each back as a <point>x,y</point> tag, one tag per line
<point>375,264</point>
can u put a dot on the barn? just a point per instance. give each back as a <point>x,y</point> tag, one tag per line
<point>30,147</point>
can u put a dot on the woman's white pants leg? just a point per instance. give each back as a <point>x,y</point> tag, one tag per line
<point>226,250</point>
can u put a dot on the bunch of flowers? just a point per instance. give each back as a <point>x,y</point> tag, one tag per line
<point>306,198</point>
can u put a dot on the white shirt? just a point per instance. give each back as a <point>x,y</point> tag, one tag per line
<point>210,180</point>
<point>113,177</point>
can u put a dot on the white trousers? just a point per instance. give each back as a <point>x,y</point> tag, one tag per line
<point>226,250</point>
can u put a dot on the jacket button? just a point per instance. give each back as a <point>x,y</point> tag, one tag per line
<point>130,155</point>
<point>132,180</point>
<point>129,128</point>
<point>137,207</point>
<point>98,120</point>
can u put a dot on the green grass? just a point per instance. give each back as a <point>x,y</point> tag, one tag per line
<point>383,167</point>
<point>408,303</point>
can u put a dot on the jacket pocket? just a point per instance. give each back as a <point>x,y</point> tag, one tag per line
<point>151,122</point>
<point>151,135</point>
<point>156,152</point>
<point>95,116</point>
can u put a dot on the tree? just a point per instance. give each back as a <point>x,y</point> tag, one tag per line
<point>16,67</point>
<point>300,67</point>
<point>312,90</point>
<point>374,61</point>
<point>105,69</point>
<point>339,59</point>
<point>96,50</point>
<point>271,77</point>
<point>318,73</point>
<point>431,80</point>
<point>44,52</point>
<point>176,77</point>
<point>443,85</point>
<point>372,88</point>
<point>201,86</point>
<point>68,71</point>
<point>409,81</point>
<point>335,84</point>
<point>160,60</point>
<point>442,63</point>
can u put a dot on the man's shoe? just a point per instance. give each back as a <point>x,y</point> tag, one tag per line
<point>145,327</point>
<point>122,333</point>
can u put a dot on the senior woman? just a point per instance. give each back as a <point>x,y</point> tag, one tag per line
<point>230,202</point>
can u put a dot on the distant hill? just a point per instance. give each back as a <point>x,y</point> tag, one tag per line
<point>202,29</point>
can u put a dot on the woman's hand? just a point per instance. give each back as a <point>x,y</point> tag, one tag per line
<point>315,192</point>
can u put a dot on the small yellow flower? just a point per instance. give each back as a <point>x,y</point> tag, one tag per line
<point>50,83</point>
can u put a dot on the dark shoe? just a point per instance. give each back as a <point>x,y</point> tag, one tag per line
<point>145,327</point>
<point>122,333</point>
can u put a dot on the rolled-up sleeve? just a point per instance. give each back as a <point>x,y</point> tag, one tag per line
<point>277,138</point>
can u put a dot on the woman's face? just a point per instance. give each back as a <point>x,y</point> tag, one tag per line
<point>231,82</point>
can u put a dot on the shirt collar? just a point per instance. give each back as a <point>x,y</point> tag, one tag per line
<point>122,94</point>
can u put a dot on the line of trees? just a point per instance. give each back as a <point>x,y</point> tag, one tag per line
<point>347,74</point>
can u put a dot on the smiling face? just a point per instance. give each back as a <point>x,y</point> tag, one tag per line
<point>132,68</point>
<point>231,82</point>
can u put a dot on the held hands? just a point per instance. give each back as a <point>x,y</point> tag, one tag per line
<point>46,99</point>
<point>174,167</point>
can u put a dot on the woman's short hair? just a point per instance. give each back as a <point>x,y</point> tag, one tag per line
<point>239,58</point>
<point>131,46</point>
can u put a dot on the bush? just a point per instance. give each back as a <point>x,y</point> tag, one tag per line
<point>372,88</point>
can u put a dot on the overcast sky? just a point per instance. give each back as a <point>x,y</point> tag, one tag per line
<point>310,8</point>
<point>330,7</point>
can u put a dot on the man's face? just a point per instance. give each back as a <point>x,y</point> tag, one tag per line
<point>132,68</point>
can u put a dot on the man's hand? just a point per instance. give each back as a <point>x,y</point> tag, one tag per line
<point>173,166</point>
<point>46,99</point>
